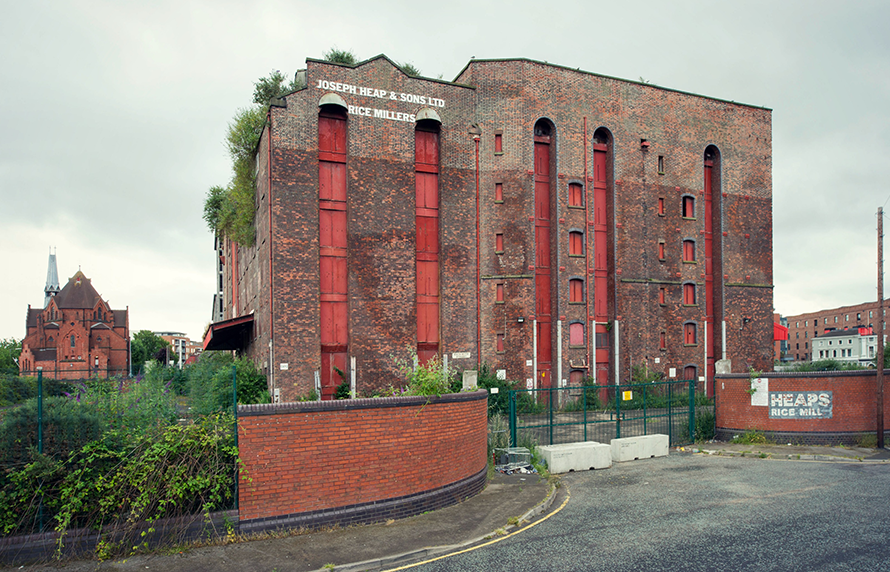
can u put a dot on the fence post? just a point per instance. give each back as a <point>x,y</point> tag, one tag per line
<point>40,411</point>
<point>670,413</point>
<point>550,399</point>
<point>511,408</point>
<point>584,389</point>
<point>235,413</point>
<point>618,412</point>
<point>691,411</point>
<point>645,416</point>
<point>40,442</point>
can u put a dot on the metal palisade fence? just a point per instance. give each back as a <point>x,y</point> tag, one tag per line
<point>605,412</point>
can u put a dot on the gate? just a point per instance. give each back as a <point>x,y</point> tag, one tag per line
<point>602,413</point>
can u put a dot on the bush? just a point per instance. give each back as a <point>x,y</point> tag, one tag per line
<point>430,378</point>
<point>498,403</point>
<point>210,383</point>
<point>705,425</point>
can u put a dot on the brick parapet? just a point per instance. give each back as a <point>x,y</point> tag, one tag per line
<point>309,457</point>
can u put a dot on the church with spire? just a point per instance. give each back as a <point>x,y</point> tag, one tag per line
<point>76,334</point>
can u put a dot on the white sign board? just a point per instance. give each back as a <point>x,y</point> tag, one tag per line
<point>283,366</point>
<point>760,397</point>
<point>460,355</point>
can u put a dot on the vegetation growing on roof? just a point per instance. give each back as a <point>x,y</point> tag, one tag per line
<point>410,69</point>
<point>338,56</point>
<point>229,211</point>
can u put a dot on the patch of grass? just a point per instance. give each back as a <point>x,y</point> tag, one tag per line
<point>752,437</point>
<point>867,441</point>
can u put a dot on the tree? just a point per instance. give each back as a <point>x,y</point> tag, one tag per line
<point>147,346</point>
<point>267,88</point>
<point>410,69</point>
<point>10,349</point>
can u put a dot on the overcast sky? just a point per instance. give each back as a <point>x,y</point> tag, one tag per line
<point>113,114</point>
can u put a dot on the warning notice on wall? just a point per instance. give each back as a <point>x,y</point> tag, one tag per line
<point>800,404</point>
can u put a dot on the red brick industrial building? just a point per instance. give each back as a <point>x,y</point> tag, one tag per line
<point>552,223</point>
<point>76,334</point>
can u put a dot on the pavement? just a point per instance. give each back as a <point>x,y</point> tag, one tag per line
<point>507,503</point>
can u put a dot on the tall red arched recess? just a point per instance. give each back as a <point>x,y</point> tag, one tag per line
<point>603,299</point>
<point>713,264</point>
<point>426,168</point>
<point>543,244</point>
<point>334,327</point>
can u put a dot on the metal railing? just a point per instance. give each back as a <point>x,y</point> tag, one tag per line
<point>602,413</point>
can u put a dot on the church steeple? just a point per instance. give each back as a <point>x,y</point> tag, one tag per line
<point>52,279</point>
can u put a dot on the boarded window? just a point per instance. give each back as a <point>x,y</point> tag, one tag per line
<point>661,250</point>
<point>576,243</point>
<point>499,297</point>
<point>576,195</point>
<point>662,341</point>
<point>498,143</point>
<point>688,251</point>
<point>576,290</point>
<point>662,295</point>
<point>499,243</point>
<point>500,342</point>
<point>689,372</point>
<point>499,192</point>
<point>576,334</point>
<point>690,334</point>
<point>660,206</point>
<point>689,294</point>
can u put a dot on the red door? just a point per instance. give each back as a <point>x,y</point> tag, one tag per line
<point>543,298</point>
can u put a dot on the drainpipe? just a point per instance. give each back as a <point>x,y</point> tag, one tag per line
<point>272,379</point>
<point>478,265</point>
<point>591,325</point>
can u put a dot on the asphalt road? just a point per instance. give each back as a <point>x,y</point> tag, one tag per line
<point>694,512</point>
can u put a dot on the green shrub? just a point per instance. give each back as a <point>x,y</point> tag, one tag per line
<point>498,403</point>
<point>705,425</point>
<point>210,383</point>
<point>430,378</point>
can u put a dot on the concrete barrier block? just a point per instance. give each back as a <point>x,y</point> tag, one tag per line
<point>576,456</point>
<point>642,447</point>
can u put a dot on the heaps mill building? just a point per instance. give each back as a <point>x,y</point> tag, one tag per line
<point>552,223</point>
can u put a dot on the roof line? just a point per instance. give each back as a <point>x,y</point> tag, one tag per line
<point>394,64</point>
<point>579,70</point>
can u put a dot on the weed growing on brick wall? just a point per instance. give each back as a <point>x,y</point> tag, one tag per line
<point>752,437</point>
<point>497,402</point>
<point>430,378</point>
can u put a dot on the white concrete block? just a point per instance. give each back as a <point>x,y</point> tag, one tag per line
<point>576,456</point>
<point>642,447</point>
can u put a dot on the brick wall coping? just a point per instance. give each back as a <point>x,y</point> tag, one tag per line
<point>363,403</point>
<point>803,374</point>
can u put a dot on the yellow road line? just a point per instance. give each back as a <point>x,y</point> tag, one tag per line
<point>489,543</point>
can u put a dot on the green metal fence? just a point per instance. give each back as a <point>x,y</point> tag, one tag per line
<point>44,422</point>
<point>602,413</point>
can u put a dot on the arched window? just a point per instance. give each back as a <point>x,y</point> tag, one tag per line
<point>690,373</point>
<point>690,333</point>
<point>688,250</point>
<point>576,290</point>
<point>576,243</point>
<point>688,206</point>
<point>576,195</point>
<point>576,334</point>
<point>689,294</point>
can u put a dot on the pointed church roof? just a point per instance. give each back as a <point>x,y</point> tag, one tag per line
<point>77,293</point>
<point>52,279</point>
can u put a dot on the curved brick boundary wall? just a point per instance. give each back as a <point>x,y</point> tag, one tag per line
<point>359,460</point>
<point>854,407</point>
